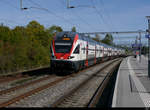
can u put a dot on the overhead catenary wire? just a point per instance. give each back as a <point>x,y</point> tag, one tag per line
<point>106,13</point>
<point>10,4</point>
<point>28,14</point>
<point>108,16</point>
<point>50,12</point>
<point>10,21</point>
<point>111,23</point>
<point>100,15</point>
<point>91,27</point>
<point>63,3</point>
<point>41,8</point>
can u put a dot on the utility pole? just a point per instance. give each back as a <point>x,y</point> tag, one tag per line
<point>67,3</point>
<point>136,47</point>
<point>136,42</point>
<point>148,30</point>
<point>21,4</point>
<point>140,45</point>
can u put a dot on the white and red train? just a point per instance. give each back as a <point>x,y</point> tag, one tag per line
<point>71,50</point>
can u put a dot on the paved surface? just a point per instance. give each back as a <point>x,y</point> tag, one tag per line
<point>132,88</point>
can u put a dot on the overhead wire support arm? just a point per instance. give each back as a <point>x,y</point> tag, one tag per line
<point>45,9</point>
<point>78,6</point>
<point>25,8</point>
<point>68,5</point>
<point>21,4</point>
<point>123,32</point>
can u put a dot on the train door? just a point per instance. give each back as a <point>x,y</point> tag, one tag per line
<point>103,49</point>
<point>95,54</point>
<point>81,52</point>
<point>82,48</point>
<point>86,61</point>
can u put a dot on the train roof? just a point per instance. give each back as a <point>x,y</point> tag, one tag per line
<point>82,36</point>
<point>71,34</point>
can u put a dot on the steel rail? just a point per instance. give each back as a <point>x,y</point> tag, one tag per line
<point>31,92</point>
<point>94,100</point>
<point>4,79</point>
<point>61,99</point>
<point>24,85</point>
<point>18,75</point>
<point>23,71</point>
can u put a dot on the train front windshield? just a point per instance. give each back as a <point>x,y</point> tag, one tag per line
<point>63,42</point>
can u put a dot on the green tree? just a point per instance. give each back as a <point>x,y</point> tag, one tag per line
<point>38,32</point>
<point>108,39</point>
<point>5,33</point>
<point>73,29</point>
<point>25,47</point>
<point>97,38</point>
<point>54,29</point>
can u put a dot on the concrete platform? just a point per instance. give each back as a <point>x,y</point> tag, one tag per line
<point>132,88</point>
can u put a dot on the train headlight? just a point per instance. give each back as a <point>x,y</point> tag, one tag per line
<point>70,57</point>
<point>53,56</point>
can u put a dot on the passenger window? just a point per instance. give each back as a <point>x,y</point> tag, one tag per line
<point>84,50</point>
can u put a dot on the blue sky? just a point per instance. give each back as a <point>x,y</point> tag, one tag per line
<point>109,15</point>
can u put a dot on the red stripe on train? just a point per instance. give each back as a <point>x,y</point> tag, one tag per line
<point>54,47</point>
<point>74,42</point>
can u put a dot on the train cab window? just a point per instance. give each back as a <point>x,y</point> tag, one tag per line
<point>81,37</point>
<point>63,42</point>
<point>85,39</point>
<point>77,50</point>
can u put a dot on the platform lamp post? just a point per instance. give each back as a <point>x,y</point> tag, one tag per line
<point>140,45</point>
<point>148,30</point>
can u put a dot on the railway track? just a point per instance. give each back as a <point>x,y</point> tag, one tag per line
<point>80,96</point>
<point>6,78</point>
<point>14,97</point>
<point>11,96</point>
<point>98,93</point>
<point>9,78</point>
<point>26,84</point>
<point>4,94</point>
